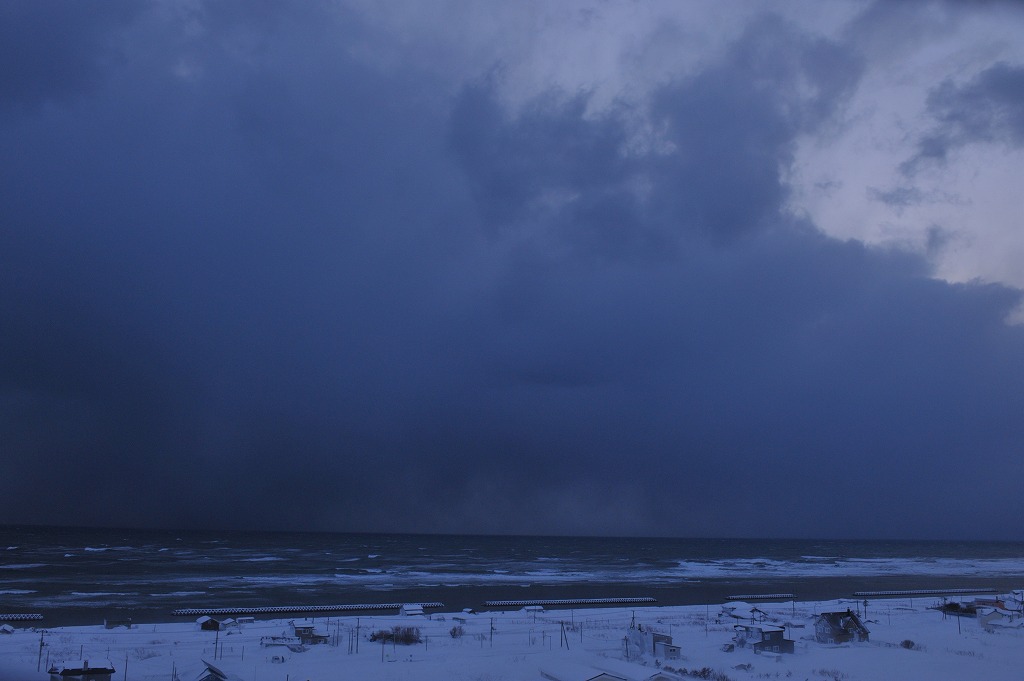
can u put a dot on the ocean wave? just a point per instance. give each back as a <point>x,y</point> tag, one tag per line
<point>17,592</point>
<point>22,566</point>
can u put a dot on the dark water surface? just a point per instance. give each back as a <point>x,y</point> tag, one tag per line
<point>81,576</point>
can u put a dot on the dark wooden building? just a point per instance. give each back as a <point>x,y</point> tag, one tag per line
<point>839,627</point>
<point>763,638</point>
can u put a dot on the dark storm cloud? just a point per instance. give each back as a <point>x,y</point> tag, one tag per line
<point>330,294</point>
<point>989,108</point>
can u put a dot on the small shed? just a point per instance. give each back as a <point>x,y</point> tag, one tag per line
<point>411,609</point>
<point>6,629</point>
<point>114,622</point>
<point>839,627</point>
<point>307,633</point>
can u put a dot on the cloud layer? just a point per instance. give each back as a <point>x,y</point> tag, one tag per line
<point>309,263</point>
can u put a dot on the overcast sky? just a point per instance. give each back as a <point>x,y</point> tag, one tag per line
<point>581,267</point>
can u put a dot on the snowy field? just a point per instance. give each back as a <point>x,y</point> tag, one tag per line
<point>908,640</point>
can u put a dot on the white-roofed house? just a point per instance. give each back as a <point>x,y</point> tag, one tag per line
<point>763,638</point>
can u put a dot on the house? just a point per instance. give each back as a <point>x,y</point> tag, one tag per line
<point>94,670</point>
<point>207,623</point>
<point>763,638</point>
<point>839,627</point>
<point>411,609</point>
<point>631,671</point>
<point>605,670</point>
<point>991,618</point>
<point>646,641</point>
<point>666,650</point>
<point>307,633</point>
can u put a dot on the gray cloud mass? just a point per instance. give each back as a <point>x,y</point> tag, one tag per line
<point>243,260</point>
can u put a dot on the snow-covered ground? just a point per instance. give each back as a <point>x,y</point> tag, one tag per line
<point>575,645</point>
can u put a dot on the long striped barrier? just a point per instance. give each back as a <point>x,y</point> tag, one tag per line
<point>761,597</point>
<point>924,592</point>
<point>297,608</point>
<point>572,601</point>
<point>20,617</point>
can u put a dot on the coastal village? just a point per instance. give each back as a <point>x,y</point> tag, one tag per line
<point>910,637</point>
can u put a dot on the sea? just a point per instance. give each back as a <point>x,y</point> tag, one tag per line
<point>78,576</point>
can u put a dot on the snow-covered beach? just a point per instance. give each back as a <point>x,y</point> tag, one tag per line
<point>909,639</point>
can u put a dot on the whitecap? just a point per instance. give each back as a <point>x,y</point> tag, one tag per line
<point>22,566</point>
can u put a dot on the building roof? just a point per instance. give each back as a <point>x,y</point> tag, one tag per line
<point>77,666</point>
<point>759,627</point>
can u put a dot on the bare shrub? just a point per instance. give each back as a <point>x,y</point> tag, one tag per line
<point>702,673</point>
<point>403,635</point>
<point>831,674</point>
